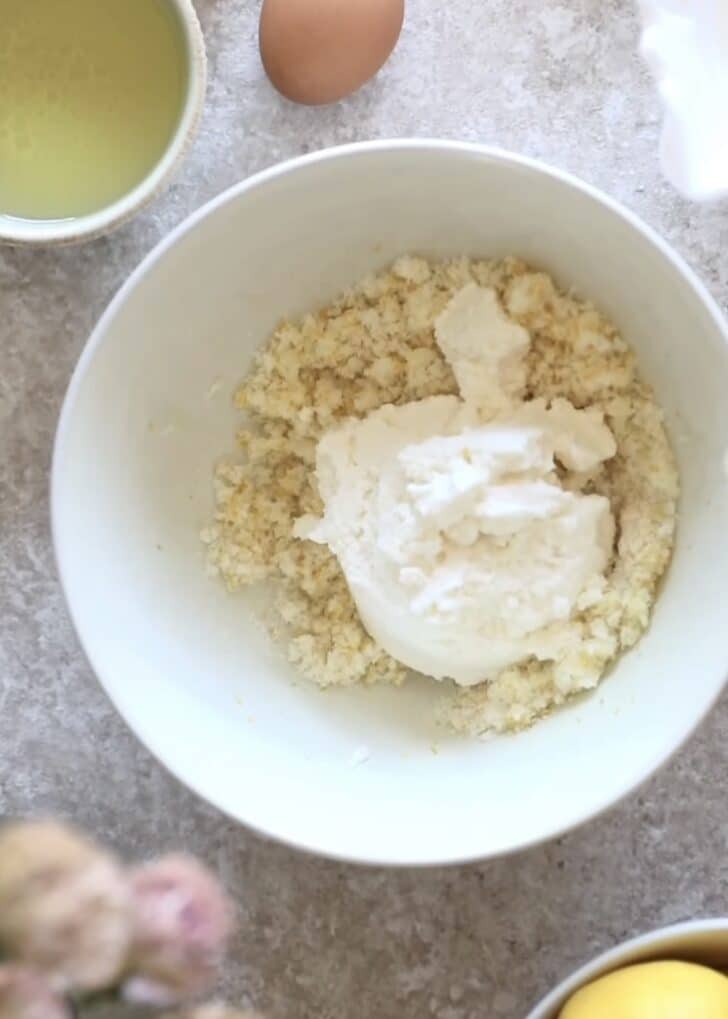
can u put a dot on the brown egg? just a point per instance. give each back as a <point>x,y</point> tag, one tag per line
<point>318,51</point>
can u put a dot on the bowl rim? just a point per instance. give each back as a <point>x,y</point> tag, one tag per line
<point>622,954</point>
<point>19,232</point>
<point>287,167</point>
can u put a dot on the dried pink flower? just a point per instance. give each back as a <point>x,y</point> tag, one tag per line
<point>182,921</point>
<point>213,1010</point>
<point>26,994</point>
<point>65,905</point>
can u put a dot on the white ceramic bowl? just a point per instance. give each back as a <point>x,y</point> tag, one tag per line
<point>701,941</point>
<point>149,411</point>
<point>52,232</point>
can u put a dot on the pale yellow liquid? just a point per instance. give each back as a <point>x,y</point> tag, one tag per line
<point>91,92</point>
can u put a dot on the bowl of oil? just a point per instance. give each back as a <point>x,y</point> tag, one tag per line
<point>99,101</point>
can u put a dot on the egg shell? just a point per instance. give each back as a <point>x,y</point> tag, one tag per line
<point>318,51</point>
<point>653,990</point>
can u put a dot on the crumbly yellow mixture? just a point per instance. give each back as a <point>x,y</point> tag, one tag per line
<point>376,345</point>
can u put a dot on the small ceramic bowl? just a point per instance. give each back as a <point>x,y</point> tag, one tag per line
<point>686,46</point>
<point>702,941</point>
<point>46,233</point>
<point>150,410</point>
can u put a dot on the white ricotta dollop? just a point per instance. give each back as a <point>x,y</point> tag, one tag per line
<point>462,550</point>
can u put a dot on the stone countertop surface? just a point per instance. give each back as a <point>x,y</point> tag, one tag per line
<point>561,81</point>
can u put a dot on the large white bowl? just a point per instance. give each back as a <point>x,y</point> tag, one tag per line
<point>149,410</point>
<point>701,941</point>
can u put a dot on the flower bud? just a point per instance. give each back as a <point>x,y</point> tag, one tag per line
<point>213,1011</point>
<point>182,921</point>
<point>26,994</point>
<point>64,906</point>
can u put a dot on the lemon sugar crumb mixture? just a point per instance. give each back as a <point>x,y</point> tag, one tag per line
<point>374,346</point>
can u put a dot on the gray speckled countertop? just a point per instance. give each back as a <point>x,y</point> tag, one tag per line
<point>562,81</point>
